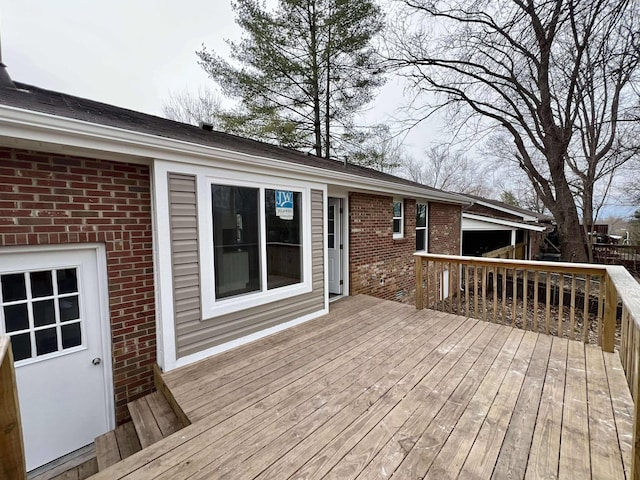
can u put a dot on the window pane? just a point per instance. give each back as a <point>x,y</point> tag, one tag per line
<point>43,313</point>
<point>331,227</point>
<point>41,284</point>
<point>21,346</point>
<point>283,214</point>
<point>46,341</point>
<point>396,225</point>
<point>236,240</point>
<point>69,308</point>
<point>421,215</point>
<point>71,336</point>
<point>13,287</point>
<point>67,281</point>
<point>16,317</point>
<point>420,234</point>
<point>397,209</point>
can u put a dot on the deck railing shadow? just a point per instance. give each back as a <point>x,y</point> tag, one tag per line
<point>596,304</point>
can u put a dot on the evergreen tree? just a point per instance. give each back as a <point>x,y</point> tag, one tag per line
<point>300,72</point>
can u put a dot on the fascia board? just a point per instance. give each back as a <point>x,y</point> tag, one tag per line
<point>45,128</point>
<point>506,223</point>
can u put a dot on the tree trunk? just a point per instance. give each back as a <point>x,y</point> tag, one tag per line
<point>317,126</point>
<point>570,233</point>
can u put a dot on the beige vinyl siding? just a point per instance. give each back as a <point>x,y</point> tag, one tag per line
<point>183,213</point>
<point>194,334</point>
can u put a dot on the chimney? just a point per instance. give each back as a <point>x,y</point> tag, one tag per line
<point>5,79</point>
<point>206,126</point>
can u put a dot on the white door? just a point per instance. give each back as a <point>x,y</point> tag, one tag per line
<point>51,308</point>
<point>334,244</point>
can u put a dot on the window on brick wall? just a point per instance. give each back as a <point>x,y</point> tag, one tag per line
<point>398,219</point>
<point>421,226</point>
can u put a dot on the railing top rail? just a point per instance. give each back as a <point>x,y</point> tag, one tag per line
<point>628,290</point>
<point>616,245</point>
<point>584,268</point>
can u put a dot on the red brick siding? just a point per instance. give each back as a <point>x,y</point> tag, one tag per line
<point>383,267</point>
<point>53,199</point>
<point>444,238</point>
<point>379,265</point>
<point>444,228</point>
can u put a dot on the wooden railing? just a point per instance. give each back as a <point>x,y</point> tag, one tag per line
<point>597,304</point>
<point>626,255</point>
<point>510,251</point>
<point>12,460</point>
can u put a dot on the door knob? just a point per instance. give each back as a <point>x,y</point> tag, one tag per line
<point>96,361</point>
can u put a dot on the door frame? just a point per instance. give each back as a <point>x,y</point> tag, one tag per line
<point>102,309</point>
<point>342,224</point>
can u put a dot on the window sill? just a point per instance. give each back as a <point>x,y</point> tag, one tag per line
<point>213,309</point>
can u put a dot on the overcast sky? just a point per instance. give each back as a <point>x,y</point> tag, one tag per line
<point>132,53</point>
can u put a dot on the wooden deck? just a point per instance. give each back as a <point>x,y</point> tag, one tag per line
<point>377,389</point>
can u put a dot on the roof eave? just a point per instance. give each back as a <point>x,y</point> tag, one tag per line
<point>43,128</point>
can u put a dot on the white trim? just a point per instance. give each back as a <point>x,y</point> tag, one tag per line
<point>40,129</point>
<point>500,221</point>
<point>400,234</point>
<point>105,323</point>
<point>345,245</point>
<point>166,333</point>
<point>524,216</point>
<point>325,249</point>
<point>424,229</point>
<point>212,307</point>
<point>181,362</point>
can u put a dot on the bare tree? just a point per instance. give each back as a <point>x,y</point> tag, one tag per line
<point>191,107</point>
<point>448,169</point>
<point>554,76</point>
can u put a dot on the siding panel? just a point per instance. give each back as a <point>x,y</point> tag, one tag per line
<point>194,334</point>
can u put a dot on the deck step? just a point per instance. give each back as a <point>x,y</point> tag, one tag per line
<point>152,419</point>
<point>116,445</point>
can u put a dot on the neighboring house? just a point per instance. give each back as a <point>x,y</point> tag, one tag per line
<point>128,239</point>
<point>489,225</point>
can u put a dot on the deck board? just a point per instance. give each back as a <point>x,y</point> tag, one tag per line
<point>377,389</point>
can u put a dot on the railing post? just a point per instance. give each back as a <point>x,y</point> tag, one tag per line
<point>419,293</point>
<point>12,460</point>
<point>610,310</point>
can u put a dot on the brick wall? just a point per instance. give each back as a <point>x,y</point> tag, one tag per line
<point>444,228</point>
<point>383,267</point>
<point>444,238</point>
<point>53,199</point>
<point>379,265</point>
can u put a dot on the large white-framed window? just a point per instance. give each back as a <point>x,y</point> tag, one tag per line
<point>398,218</point>
<point>257,243</point>
<point>422,210</point>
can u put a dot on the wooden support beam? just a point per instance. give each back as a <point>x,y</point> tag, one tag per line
<point>419,292</point>
<point>611,306</point>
